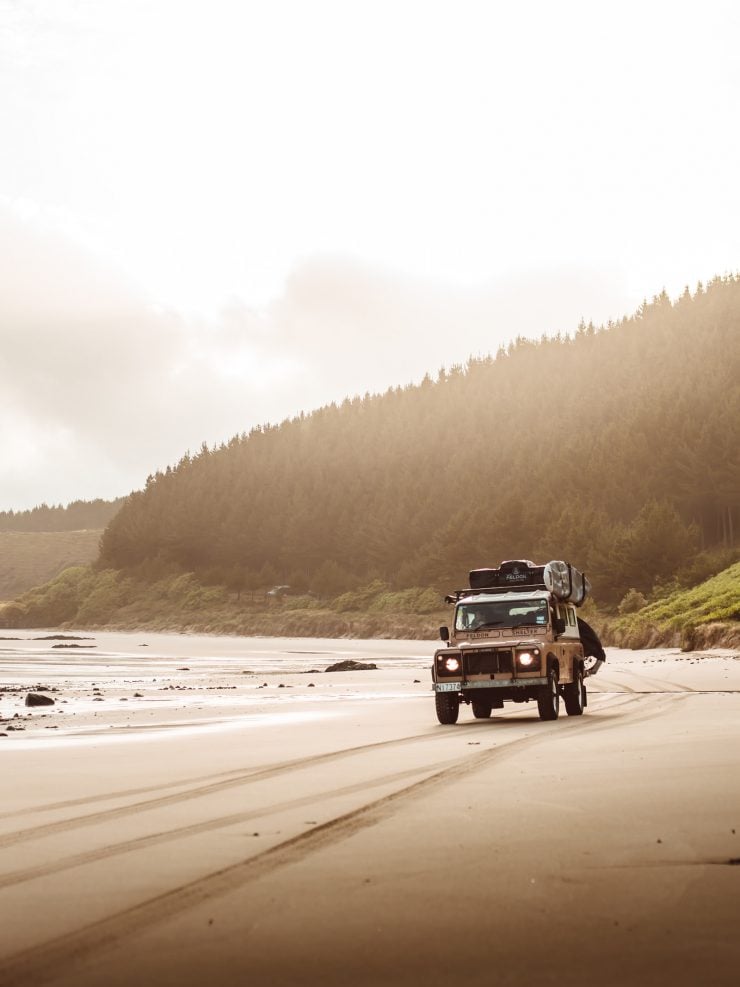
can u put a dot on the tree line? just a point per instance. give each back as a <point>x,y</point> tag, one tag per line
<point>80,515</point>
<point>616,448</point>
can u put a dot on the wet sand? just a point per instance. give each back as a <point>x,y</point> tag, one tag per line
<point>249,818</point>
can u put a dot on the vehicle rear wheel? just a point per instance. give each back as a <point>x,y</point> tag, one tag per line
<point>548,700</point>
<point>448,707</point>
<point>573,695</point>
<point>481,709</point>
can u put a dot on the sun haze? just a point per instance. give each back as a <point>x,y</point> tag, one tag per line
<point>258,208</point>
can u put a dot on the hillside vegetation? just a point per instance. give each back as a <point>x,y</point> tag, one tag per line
<point>85,597</point>
<point>29,558</point>
<point>616,448</point>
<point>704,616</point>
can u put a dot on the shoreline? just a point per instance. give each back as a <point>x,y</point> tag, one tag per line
<point>393,627</point>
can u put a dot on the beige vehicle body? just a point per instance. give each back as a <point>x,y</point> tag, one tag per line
<point>515,646</point>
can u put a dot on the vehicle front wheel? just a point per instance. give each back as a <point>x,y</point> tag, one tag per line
<point>481,709</point>
<point>548,700</point>
<point>573,695</point>
<point>448,707</point>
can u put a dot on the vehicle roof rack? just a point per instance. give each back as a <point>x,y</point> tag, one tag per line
<point>561,579</point>
<point>479,590</point>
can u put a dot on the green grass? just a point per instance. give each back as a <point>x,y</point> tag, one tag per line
<point>684,616</point>
<point>715,599</point>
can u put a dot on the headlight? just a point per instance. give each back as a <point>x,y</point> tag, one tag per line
<point>529,659</point>
<point>449,665</point>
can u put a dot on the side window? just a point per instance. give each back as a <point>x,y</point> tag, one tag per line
<point>571,617</point>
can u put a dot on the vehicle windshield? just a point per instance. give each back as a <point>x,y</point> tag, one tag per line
<point>476,616</point>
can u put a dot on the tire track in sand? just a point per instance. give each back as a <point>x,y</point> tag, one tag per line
<point>199,791</point>
<point>39,963</point>
<point>221,822</point>
<point>232,780</point>
<point>121,794</point>
<point>208,825</point>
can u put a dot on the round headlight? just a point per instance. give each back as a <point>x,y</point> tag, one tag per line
<point>529,658</point>
<point>452,664</point>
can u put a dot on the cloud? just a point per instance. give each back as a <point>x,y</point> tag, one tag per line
<point>98,387</point>
<point>84,365</point>
<point>357,327</point>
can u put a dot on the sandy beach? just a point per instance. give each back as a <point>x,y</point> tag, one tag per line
<point>201,808</point>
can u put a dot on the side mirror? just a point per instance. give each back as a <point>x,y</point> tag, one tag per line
<point>558,625</point>
<point>444,633</point>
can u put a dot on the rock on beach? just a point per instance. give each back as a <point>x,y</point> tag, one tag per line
<point>36,699</point>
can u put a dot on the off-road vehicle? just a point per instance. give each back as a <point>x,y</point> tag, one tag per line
<point>516,637</point>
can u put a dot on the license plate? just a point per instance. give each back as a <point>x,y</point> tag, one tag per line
<point>447,687</point>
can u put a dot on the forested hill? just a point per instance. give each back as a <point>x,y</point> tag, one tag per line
<point>617,448</point>
<point>80,515</point>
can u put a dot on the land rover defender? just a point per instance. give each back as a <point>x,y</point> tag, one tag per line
<point>515,637</point>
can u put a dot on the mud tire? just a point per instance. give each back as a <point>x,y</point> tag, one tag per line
<point>481,709</point>
<point>447,705</point>
<point>574,695</point>
<point>548,700</point>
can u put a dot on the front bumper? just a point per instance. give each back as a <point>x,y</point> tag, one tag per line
<point>489,684</point>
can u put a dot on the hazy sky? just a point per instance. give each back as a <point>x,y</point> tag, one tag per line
<point>216,213</point>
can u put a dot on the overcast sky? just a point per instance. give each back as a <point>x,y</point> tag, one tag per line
<point>214,213</point>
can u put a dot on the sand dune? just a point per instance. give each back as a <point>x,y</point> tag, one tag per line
<point>196,809</point>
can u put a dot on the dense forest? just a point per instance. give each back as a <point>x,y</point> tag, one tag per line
<point>80,515</point>
<point>617,448</point>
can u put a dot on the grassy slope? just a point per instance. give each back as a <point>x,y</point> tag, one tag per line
<point>30,558</point>
<point>704,616</point>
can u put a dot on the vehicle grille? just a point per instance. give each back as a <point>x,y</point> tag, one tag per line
<point>486,661</point>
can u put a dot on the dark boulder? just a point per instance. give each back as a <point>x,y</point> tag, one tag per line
<point>36,699</point>
<point>348,665</point>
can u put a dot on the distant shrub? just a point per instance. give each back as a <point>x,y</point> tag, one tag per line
<point>13,615</point>
<point>57,601</point>
<point>632,601</point>
<point>361,598</point>
<point>181,587</point>
<point>101,598</point>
